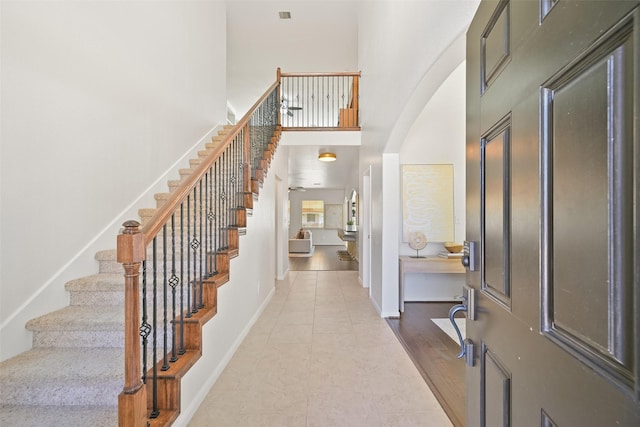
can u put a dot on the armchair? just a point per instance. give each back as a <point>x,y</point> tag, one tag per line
<point>303,245</point>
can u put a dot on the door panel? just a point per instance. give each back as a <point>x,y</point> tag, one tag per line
<point>552,198</point>
<point>496,389</point>
<point>495,45</point>
<point>587,146</point>
<point>495,169</point>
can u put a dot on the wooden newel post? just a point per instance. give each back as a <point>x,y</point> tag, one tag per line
<point>132,402</point>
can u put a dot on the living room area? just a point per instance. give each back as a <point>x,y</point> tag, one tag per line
<point>322,229</point>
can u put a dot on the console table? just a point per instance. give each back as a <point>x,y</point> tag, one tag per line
<point>432,265</point>
<point>351,238</point>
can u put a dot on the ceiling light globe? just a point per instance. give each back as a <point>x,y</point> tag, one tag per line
<point>327,157</point>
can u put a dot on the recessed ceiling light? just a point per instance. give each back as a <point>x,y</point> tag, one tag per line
<point>284,14</point>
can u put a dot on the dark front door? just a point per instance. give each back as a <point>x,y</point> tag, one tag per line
<point>552,208</point>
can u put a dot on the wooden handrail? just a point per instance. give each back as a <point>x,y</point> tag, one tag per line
<point>134,241</point>
<point>164,213</point>
<point>329,74</point>
<point>238,163</point>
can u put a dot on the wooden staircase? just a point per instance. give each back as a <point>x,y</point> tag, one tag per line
<point>167,404</point>
<point>73,374</point>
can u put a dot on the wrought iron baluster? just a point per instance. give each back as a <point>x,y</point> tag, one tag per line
<point>173,282</point>
<point>210,224</point>
<point>236,178</point>
<point>200,249</point>
<point>205,239</point>
<point>145,327</point>
<point>188,287</point>
<point>182,349</point>
<point>154,312</point>
<point>216,214</point>
<point>226,199</point>
<point>165,302</point>
<point>241,183</point>
<point>194,247</point>
<point>234,175</point>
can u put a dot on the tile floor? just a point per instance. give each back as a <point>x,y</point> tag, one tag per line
<point>320,356</point>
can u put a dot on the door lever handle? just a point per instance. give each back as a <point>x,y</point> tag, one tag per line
<point>452,313</point>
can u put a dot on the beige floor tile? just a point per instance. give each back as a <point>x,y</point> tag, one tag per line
<point>331,325</point>
<point>234,401</point>
<point>339,408</point>
<point>331,299</point>
<point>415,419</point>
<point>291,334</point>
<point>284,419</point>
<point>226,419</point>
<point>332,310</point>
<point>402,396</point>
<point>320,356</point>
<point>304,317</point>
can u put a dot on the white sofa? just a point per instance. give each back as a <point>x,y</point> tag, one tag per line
<point>302,245</point>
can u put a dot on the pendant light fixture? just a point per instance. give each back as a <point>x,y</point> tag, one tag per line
<point>327,157</point>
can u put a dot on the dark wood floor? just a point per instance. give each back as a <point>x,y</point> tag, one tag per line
<point>434,353</point>
<point>325,258</point>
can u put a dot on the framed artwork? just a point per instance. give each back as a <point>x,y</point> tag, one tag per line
<point>333,216</point>
<point>427,201</point>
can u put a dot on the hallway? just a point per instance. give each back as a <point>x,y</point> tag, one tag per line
<point>324,258</point>
<point>320,356</point>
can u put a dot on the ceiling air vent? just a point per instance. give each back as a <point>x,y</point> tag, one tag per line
<point>284,15</point>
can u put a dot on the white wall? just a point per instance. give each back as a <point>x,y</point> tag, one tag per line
<point>400,74</point>
<point>98,100</point>
<point>390,184</point>
<point>438,137</point>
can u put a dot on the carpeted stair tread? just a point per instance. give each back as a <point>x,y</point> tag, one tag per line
<point>74,373</point>
<point>100,289</point>
<point>80,318</point>
<point>97,283</point>
<point>63,376</point>
<point>107,262</point>
<point>56,416</point>
<point>106,255</point>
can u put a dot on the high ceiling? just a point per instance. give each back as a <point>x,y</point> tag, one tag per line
<point>305,170</point>
<point>320,36</point>
<point>394,43</point>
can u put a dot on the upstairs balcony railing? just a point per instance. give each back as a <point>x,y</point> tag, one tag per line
<point>319,101</point>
